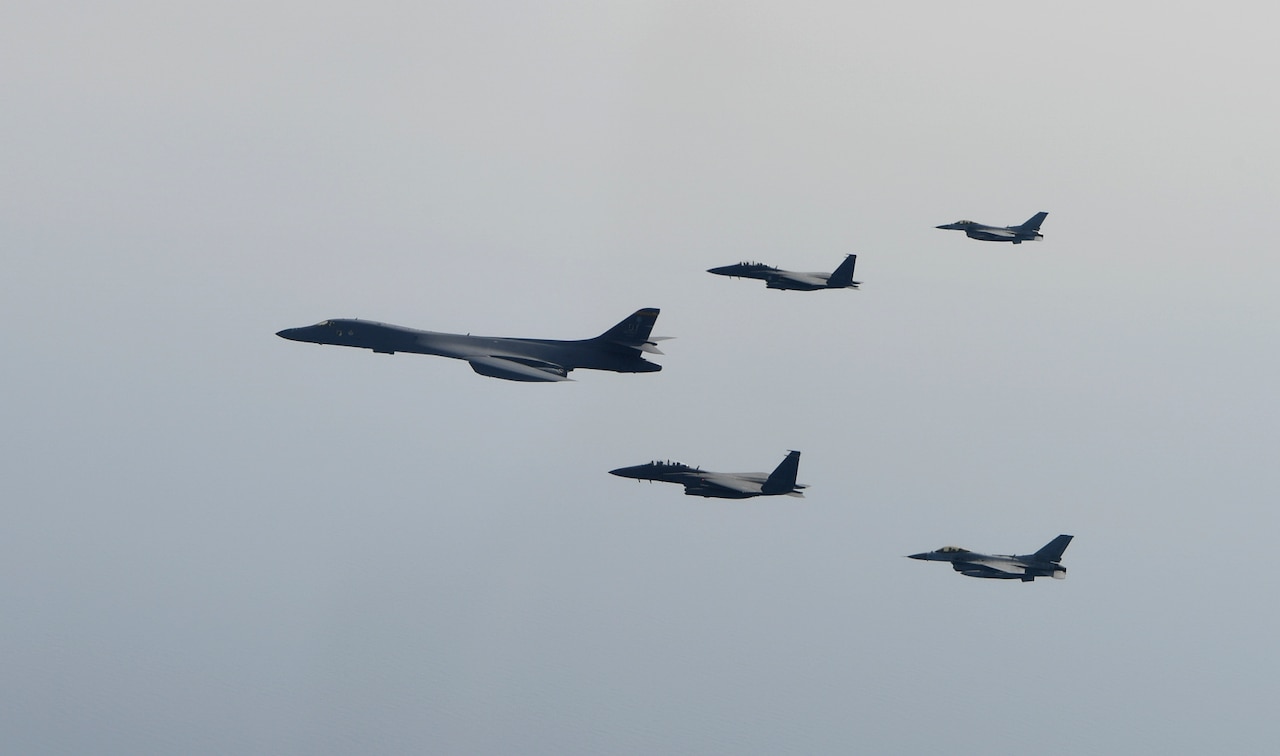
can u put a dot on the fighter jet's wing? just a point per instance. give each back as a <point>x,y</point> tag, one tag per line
<point>999,231</point>
<point>517,368</point>
<point>790,279</point>
<point>712,483</point>
<point>987,563</point>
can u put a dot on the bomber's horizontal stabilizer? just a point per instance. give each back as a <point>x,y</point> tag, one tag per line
<point>652,348</point>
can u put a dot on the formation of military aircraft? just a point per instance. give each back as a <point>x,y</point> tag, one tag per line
<point>1025,567</point>
<point>1028,231</point>
<point>617,349</point>
<point>776,278</point>
<point>620,350</point>
<point>716,485</point>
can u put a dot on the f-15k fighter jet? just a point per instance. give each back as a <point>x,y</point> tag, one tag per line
<point>776,278</point>
<point>1027,567</point>
<point>1029,231</point>
<point>705,483</point>
<point>617,349</point>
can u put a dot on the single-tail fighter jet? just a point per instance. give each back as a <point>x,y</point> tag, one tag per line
<point>1025,567</point>
<point>1029,231</point>
<point>705,483</point>
<point>617,349</point>
<point>776,278</point>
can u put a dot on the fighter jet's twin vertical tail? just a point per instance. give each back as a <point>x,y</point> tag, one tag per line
<point>783,479</point>
<point>843,275</point>
<point>634,331</point>
<point>1052,551</point>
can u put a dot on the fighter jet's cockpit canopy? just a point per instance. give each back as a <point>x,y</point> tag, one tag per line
<point>952,550</point>
<point>669,465</point>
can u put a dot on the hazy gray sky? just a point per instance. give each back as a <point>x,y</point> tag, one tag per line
<point>217,541</point>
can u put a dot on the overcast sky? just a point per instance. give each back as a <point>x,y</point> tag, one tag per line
<point>216,541</point>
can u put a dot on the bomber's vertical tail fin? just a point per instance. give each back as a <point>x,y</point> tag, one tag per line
<point>783,479</point>
<point>843,275</point>
<point>634,331</point>
<point>1052,551</point>
<point>1033,223</point>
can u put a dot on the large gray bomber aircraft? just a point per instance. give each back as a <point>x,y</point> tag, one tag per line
<point>617,349</point>
<point>705,483</point>
<point>1029,231</point>
<point>1025,567</point>
<point>776,278</point>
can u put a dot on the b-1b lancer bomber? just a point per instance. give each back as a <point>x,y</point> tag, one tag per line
<point>776,278</point>
<point>705,483</point>
<point>1029,231</point>
<point>617,349</point>
<point>1026,567</point>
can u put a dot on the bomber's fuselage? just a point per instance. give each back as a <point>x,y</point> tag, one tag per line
<point>384,338</point>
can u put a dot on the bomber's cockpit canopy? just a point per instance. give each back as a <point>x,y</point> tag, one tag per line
<point>952,550</point>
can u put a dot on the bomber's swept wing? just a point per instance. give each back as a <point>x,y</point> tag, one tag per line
<point>495,361</point>
<point>517,368</point>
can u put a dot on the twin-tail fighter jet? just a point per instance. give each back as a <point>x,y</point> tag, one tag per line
<point>1027,567</point>
<point>1029,231</point>
<point>780,482</point>
<point>776,278</point>
<point>617,349</point>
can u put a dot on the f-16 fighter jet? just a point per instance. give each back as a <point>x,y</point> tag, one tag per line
<point>1029,231</point>
<point>617,349</point>
<point>1027,567</point>
<point>781,481</point>
<point>776,278</point>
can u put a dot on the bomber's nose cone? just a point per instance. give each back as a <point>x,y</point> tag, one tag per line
<point>288,333</point>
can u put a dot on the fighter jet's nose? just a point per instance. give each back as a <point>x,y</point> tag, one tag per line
<point>921,555</point>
